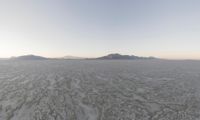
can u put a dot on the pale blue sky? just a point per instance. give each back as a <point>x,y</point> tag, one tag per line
<point>90,28</point>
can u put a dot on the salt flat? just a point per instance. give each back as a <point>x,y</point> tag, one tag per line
<point>99,90</point>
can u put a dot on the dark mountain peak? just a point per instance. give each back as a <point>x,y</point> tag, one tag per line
<point>123,57</point>
<point>114,54</point>
<point>29,57</point>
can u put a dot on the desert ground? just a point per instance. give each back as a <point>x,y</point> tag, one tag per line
<point>99,90</point>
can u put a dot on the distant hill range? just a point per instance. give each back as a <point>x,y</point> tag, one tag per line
<point>117,56</point>
<point>29,57</point>
<point>72,57</point>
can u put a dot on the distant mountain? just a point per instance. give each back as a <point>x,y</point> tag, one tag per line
<point>117,56</point>
<point>71,57</point>
<point>114,56</point>
<point>29,57</point>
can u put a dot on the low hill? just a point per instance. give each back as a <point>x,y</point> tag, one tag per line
<point>72,57</point>
<point>29,57</point>
<point>117,56</point>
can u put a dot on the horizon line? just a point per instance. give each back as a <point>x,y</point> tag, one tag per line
<point>162,58</point>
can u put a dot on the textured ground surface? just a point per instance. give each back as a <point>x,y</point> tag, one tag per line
<point>99,90</point>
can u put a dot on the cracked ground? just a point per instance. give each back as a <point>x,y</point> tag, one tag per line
<point>99,90</point>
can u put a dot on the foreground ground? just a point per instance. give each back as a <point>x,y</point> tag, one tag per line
<point>99,90</point>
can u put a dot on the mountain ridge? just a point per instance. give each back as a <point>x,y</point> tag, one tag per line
<point>29,57</point>
<point>113,56</point>
<point>117,56</point>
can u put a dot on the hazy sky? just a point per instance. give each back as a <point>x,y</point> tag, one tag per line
<point>90,28</point>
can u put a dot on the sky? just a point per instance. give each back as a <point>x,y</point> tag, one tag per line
<point>90,28</point>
